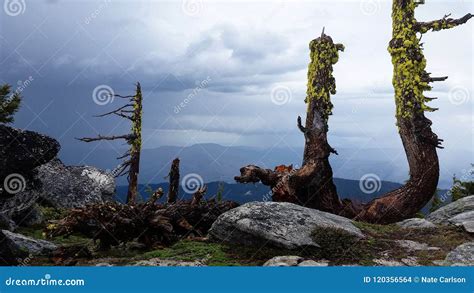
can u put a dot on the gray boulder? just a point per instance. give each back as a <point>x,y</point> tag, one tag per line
<point>416,223</point>
<point>463,255</point>
<point>15,248</point>
<point>451,213</point>
<point>279,224</point>
<point>74,186</point>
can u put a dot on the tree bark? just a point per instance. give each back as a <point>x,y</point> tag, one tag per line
<point>312,184</point>
<point>135,146</point>
<point>174,181</point>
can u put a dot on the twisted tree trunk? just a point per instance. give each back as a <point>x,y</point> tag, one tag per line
<point>410,81</point>
<point>312,184</point>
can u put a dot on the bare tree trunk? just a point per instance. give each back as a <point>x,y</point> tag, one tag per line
<point>410,80</point>
<point>174,181</point>
<point>135,146</point>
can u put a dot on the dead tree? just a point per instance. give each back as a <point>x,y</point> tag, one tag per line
<point>131,166</point>
<point>410,81</point>
<point>312,184</point>
<point>199,195</point>
<point>174,181</point>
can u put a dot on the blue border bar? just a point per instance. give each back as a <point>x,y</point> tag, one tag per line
<point>239,279</point>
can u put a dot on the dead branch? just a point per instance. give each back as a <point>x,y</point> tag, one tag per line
<point>445,23</point>
<point>101,137</point>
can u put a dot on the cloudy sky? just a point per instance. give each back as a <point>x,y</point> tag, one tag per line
<point>227,72</point>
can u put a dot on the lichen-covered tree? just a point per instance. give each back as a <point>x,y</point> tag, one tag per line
<point>9,103</point>
<point>312,185</point>
<point>411,81</point>
<point>131,166</point>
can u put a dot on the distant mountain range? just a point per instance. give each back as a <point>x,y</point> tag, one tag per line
<point>243,193</point>
<point>214,162</point>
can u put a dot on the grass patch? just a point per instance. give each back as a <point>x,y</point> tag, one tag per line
<point>215,254</point>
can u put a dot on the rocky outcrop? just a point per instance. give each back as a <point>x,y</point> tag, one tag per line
<point>33,246</point>
<point>463,255</point>
<point>459,213</point>
<point>16,248</point>
<point>21,150</point>
<point>74,186</point>
<point>20,153</point>
<point>449,211</point>
<point>416,223</point>
<point>293,261</point>
<point>279,224</point>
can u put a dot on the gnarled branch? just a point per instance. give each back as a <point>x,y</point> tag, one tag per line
<point>445,23</point>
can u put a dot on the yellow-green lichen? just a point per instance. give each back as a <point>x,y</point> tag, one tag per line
<point>408,61</point>
<point>321,83</point>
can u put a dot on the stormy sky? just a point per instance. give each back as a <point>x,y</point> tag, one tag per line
<point>226,72</point>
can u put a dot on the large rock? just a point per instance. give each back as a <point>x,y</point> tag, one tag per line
<point>21,152</point>
<point>463,255</point>
<point>9,253</point>
<point>455,212</point>
<point>279,224</point>
<point>16,248</point>
<point>74,186</point>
